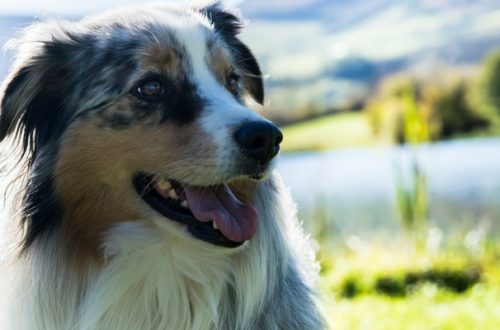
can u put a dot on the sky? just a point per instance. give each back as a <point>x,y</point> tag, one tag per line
<point>68,7</point>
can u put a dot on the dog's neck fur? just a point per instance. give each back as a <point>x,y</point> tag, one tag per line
<point>151,281</point>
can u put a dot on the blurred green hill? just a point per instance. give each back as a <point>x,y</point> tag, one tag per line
<point>322,55</point>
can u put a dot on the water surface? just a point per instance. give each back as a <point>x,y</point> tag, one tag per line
<point>357,186</point>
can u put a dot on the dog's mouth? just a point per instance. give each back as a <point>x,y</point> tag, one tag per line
<point>212,213</point>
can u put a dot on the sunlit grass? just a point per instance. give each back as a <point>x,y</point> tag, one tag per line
<point>427,305</point>
<point>334,131</point>
<point>428,308</point>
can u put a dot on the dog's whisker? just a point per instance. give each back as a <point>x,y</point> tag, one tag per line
<point>155,38</point>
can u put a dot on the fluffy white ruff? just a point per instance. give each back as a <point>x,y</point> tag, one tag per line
<point>153,280</point>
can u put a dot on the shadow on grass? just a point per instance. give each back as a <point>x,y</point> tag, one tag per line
<point>400,285</point>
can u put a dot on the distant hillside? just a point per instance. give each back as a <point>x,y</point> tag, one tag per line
<point>324,52</point>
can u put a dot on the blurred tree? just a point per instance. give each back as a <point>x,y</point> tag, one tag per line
<point>451,110</point>
<point>486,94</point>
<point>409,110</point>
<point>415,118</point>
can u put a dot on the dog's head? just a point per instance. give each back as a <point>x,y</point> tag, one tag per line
<point>139,114</point>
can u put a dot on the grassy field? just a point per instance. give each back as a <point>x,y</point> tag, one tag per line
<point>342,130</point>
<point>425,305</point>
<point>427,308</point>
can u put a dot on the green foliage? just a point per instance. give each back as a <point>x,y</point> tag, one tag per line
<point>453,112</point>
<point>487,88</point>
<point>411,110</point>
<point>455,280</point>
<point>412,200</point>
<point>415,122</point>
<point>350,287</point>
<point>390,286</point>
<point>403,282</point>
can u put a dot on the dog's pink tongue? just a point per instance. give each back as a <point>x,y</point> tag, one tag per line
<point>235,220</point>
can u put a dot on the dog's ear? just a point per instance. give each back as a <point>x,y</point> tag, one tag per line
<point>31,97</point>
<point>228,26</point>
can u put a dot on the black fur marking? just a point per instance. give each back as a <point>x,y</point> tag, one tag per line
<point>253,75</point>
<point>40,123</point>
<point>6,115</point>
<point>116,118</point>
<point>34,105</point>
<point>34,101</point>
<point>227,25</point>
<point>184,103</point>
<point>44,119</point>
<point>117,58</point>
<point>118,121</point>
<point>42,212</point>
<point>98,108</point>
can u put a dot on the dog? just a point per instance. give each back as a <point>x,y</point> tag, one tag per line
<point>148,198</point>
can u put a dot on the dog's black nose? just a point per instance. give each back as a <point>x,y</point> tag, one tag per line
<point>259,140</point>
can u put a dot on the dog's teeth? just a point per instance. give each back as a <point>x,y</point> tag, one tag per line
<point>184,204</point>
<point>172,194</point>
<point>164,185</point>
<point>215,225</point>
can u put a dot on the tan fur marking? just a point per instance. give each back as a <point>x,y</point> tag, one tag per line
<point>95,167</point>
<point>161,57</point>
<point>244,189</point>
<point>219,61</point>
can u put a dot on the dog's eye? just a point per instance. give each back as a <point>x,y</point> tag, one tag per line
<point>150,88</point>
<point>232,83</point>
